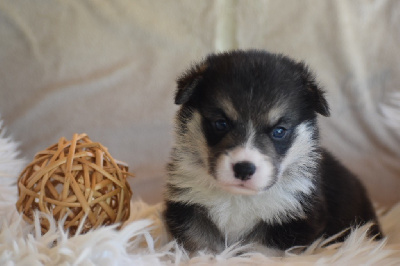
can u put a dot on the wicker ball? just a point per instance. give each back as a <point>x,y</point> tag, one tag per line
<point>77,180</point>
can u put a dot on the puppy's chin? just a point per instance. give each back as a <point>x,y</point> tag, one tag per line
<point>240,189</point>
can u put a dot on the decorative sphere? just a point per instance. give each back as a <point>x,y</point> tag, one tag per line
<point>78,181</point>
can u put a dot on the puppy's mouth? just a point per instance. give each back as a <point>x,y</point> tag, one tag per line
<point>242,188</point>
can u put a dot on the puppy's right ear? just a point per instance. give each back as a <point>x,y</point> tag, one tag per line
<point>188,83</point>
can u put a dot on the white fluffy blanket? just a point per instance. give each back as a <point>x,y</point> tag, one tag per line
<point>144,241</point>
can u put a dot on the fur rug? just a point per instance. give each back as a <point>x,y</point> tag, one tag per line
<point>143,239</point>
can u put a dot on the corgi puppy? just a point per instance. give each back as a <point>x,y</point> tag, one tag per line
<point>247,165</point>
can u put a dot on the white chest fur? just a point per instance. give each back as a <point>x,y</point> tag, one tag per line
<point>236,215</point>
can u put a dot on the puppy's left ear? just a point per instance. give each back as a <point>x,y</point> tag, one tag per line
<point>189,82</point>
<point>317,95</point>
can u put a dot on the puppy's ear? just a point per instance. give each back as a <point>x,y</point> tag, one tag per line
<point>188,83</point>
<point>317,95</point>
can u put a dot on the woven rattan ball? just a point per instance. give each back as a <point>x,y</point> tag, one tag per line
<point>77,180</point>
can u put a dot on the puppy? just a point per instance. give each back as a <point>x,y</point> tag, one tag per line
<point>247,165</point>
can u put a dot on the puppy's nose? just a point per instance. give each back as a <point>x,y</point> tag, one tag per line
<point>244,170</point>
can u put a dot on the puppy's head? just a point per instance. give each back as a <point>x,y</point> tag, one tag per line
<point>248,119</point>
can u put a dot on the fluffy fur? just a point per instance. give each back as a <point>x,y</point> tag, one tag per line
<point>247,165</point>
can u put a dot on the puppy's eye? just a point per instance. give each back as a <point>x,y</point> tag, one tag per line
<point>279,132</point>
<point>221,125</point>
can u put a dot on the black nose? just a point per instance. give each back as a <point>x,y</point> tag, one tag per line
<point>244,170</point>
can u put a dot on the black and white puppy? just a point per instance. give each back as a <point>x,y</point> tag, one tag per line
<point>247,164</point>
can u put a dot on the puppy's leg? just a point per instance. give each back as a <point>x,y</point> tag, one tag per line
<point>192,228</point>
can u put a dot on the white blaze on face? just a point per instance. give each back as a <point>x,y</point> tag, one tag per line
<point>257,182</point>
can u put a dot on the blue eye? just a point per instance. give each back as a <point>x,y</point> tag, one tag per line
<point>279,133</point>
<point>221,125</point>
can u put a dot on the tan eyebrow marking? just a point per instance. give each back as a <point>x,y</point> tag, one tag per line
<point>229,109</point>
<point>276,113</point>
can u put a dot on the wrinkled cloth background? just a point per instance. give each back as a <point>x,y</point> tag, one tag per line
<point>108,68</point>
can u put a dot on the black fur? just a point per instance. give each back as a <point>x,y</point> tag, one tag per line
<point>254,82</point>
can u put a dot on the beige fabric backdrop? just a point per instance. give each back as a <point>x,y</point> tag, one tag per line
<point>108,68</point>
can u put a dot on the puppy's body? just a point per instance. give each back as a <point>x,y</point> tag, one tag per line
<point>247,165</point>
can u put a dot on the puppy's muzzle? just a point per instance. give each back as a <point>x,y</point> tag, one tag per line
<point>244,170</point>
